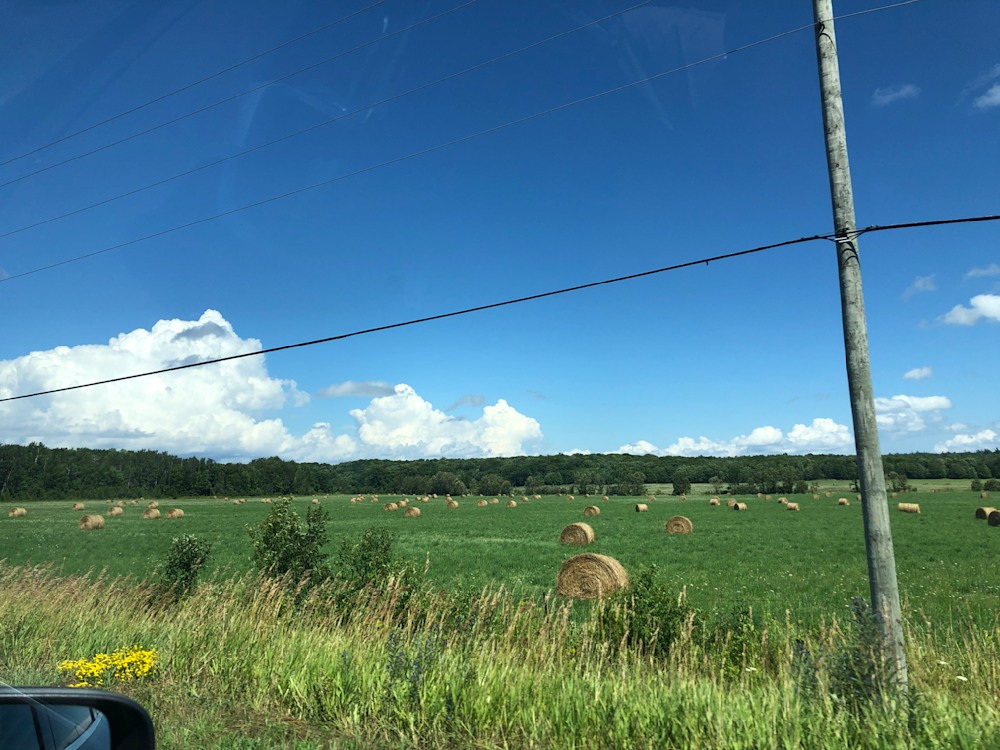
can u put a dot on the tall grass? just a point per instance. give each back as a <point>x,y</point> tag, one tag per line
<point>243,661</point>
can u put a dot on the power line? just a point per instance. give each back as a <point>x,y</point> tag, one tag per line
<point>366,108</point>
<point>430,318</point>
<point>191,85</point>
<point>414,154</point>
<point>207,107</point>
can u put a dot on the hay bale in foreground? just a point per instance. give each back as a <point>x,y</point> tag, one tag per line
<point>511,503</point>
<point>17,512</point>
<point>984,512</point>
<point>993,519</point>
<point>116,511</point>
<point>151,513</point>
<point>909,507</point>
<point>591,510</point>
<point>452,505</point>
<point>78,506</point>
<point>641,507</point>
<point>843,501</point>
<point>175,513</point>
<point>714,501</point>
<point>590,576</point>
<point>791,506</point>
<point>411,512</point>
<point>679,525</point>
<point>91,523</point>
<point>390,506</point>
<point>577,535</point>
<point>739,506</point>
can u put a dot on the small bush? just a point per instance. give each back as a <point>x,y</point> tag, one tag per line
<point>371,561</point>
<point>992,485</point>
<point>648,615</point>
<point>185,560</point>
<point>284,547</point>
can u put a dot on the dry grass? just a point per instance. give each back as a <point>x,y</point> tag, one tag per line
<point>577,535</point>
<point>17,512</point>
<point>641,508</point>
<point>679,525</point>
<point>909,507</point>
<point>175,513</point>
<point>591,510</point>
<point>590,576</point>
<point>91,523</point>
<point>151,513</point>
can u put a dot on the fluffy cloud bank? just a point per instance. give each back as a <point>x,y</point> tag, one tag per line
<point>904,414</point>
<point>982,440</point>
<point>227,410</point>
<point>981,307</point>
<point>823,435</point>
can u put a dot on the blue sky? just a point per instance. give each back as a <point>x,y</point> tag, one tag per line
<point>738,357</point>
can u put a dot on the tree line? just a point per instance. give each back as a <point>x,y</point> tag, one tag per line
<point>37,472</point>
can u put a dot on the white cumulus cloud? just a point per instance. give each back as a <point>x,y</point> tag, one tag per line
<point>981,307</point>
<point>918,373</point>
<point>821,435</point>
<point>903,414</point>
<point>984,439</point>
<point>890,94</point>
<point>228,410</point>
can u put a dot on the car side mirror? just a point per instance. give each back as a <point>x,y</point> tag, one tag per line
<point>45,718</point>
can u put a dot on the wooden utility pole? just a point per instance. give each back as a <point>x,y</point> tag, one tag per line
<point>875,507</point>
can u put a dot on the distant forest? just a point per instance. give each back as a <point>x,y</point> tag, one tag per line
<point>35,472</point>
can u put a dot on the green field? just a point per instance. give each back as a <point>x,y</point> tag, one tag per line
<point>809,563</point>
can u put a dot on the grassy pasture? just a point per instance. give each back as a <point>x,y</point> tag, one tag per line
<point>809,563</point>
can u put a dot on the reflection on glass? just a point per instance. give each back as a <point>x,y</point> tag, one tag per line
<point>33,726</point>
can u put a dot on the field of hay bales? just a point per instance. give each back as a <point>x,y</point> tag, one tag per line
<point>809,563</point>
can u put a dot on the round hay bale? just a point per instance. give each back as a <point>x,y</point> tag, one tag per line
<point>715,501</point>
<point>411,512</point>
<point>426,499</point>
<point>536,497</point>
<point>984,495</point>
<point>591,510</point>
<point>909,507</point>
<point>604,499</point>
<point>829,494</point>
<point>175,513</point>
<point>133,502</point>
<point>481,503</point>
<point>494,501</point>
<point>714,497</point>
<point>120,504</point>
<point>651,498</point>
<point>843,501</point>
<point>315,501</point>
<point>641,507</point>
<point>783,500</point>
<point>524,499</point>
<point>731,503</point>
<point>452,505</point>
<point>390,506</point>
<point>511,504</point>
<point>740,506</point>
<point>79,506</point>
<point>18,512</point>
<point>993,519</point>
<point>791,506</point>
<point>984,512</point>
<point>894,495</point>
<point>590,576</point>
<point>577,535</point>
<point>815,497</point>
<point>91,523</point>
<point>679,525</point>
<point>152,504</point>
<point>151,513</point>
<point>116,511</point>
<point>403,503</point>
<point>570,497</point>
<point>683,498</point>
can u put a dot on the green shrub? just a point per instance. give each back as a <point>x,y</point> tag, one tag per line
<point>647,615</point>
<point>185,560</point>
<point>371,561</point>
<point>284,547</point>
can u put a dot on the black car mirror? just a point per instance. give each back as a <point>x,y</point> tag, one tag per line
<point>72,719</point>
